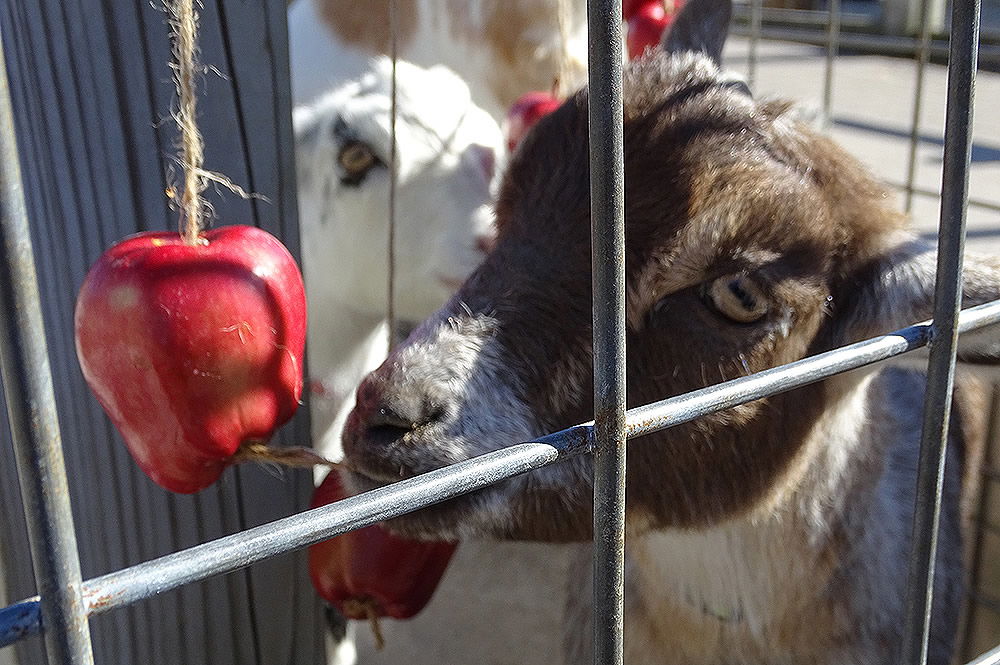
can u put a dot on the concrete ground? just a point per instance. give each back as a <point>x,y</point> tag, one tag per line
<point>501,604</point>
<point>871,116</point>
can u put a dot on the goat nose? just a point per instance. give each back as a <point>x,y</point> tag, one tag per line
<point>486,243</point>
<point>392,407</point>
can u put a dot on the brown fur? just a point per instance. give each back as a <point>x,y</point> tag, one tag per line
<point>366,24</point>
<point>506,31</point>
<point>816,485</point>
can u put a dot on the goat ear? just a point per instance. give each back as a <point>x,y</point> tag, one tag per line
<point>897,290</point>
<point>702,26</point>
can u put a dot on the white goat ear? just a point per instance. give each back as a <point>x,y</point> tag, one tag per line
<point>701,26</point>
<point>897,290</point>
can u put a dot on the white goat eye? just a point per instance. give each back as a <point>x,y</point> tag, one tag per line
<point>738,298</point>
<point>357,159</point>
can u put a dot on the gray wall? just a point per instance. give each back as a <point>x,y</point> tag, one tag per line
<point>92,96</point>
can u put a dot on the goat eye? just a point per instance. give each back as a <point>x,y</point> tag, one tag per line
<point>357,159</point>
<point>738,298</point>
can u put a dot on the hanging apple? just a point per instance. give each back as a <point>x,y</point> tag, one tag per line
<point>630,7</point>
<point>525,112</point>
<point>369,572</point>
<point>193,349</point>
<point>646,22</point>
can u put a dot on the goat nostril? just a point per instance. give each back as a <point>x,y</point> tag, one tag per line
<point>386,417</point>
<point>394,419</point>
<point>486,243</point>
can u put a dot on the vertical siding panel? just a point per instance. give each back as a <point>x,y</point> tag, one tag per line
<point>93,97</point>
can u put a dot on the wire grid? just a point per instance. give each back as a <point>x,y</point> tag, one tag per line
<point>66,601</point>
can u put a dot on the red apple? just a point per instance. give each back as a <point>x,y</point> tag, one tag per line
<point>369,572</point>
<point>525,113</point>
<point>646,25</point>
<point>193,349</point>
<point>630,7</point>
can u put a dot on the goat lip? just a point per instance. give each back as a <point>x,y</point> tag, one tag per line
<point>450,283</point>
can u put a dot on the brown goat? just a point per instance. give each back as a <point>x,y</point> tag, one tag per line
<point>774,532</point>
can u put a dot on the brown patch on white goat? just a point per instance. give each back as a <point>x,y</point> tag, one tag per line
<point>367,24</point>
<point>503,49</point>
<point>776,532</point>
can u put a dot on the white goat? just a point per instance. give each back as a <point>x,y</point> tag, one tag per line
<point>774,532</point>
<point>447,150</point>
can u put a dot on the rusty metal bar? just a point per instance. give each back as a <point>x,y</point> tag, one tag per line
<point>607,209</point>
<point>27,383</point>
<point>947,301</point>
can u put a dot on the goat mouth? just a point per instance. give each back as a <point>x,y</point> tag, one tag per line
<point>451,283</point>
<point>437,521</point>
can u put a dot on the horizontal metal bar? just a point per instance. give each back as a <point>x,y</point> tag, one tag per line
<point>989,54</point>
<point>812,18</point>
<point>985,600</point>
<point>238,550</point>
<point>242,549</point>
<point>923,191</point>
<point>684,408</point>
<point>991,657</point>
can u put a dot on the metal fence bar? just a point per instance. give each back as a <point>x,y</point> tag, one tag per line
<point>923,57</point>
<point>756,14</point>
<point>991,657</point>
<point>832,47</point>
<point>947,300</point>
<point>684,408</point>
<point>989,54</point>
<point>242,549</point>
<point>607,207</point>
<point>27,382</point>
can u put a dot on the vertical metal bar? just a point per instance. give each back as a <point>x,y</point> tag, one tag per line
<point>27,381</point>
<point>607,199</point>
<point>947,299</point>
<point>923,56</point>
<point>832,47</point>
<point>756,18</point>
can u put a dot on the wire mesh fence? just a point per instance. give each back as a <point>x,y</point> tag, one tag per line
<point>65,601</point>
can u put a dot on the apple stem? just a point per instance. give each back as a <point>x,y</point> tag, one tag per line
<point>368,608</point>
<point>297,457</point>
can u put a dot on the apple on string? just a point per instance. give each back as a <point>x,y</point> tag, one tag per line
<point>646,21</point>
<point>193,349</point>
<point>525,113</point>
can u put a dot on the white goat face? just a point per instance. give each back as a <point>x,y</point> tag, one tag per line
<point>447,151</point>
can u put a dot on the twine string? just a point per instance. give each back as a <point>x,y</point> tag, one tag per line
<point>184,25</point>
<point>297,457</point>
<point>183,21</point>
